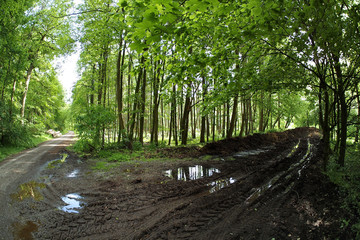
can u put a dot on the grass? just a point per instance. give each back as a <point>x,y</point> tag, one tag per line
<point>112,156</point>
<point>6,151</point>
<point>348,180</point>
<point>57,163</point>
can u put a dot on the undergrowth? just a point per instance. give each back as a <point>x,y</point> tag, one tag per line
<point>114,154</point>
<point>8,150</point>
<point>348,180</point>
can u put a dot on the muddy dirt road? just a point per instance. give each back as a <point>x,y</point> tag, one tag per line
<point>259,187</point>
<point>22,168</point>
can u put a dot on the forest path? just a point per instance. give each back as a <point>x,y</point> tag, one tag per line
<point>264,186</point>
<point>24,167</point>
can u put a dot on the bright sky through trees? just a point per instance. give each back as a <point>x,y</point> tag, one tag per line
<point>67,73</point>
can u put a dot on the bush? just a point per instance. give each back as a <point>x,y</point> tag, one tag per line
<point>83,145</point>
<point>90,123</point>
<point>17,134</point>
<point>348,180</point>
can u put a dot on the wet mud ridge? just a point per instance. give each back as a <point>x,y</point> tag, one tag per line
<point>260,187</point>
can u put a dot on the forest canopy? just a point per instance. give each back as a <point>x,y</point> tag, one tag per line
<point>174,72</point>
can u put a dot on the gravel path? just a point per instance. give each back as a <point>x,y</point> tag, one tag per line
<point>21,168</point>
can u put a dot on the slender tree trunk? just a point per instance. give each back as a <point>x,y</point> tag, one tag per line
<point>213,125</point>
<point>129,93</point>
<point>12,98</point>
<point>233,117</point>
<point>203,117</point>
<point>135,104</point>
<point>324,119</point>
<point>142,108</point>
<point>343,112</point>
<point>249,116</point>
<point>184,125</point>
<point>243,116</point>
<point>224,121</point>
<point>261,112</point>
<point>358,114</point>
<point>119,86</point>
<point>173,108</point>
<point>28,77</point>
<point>155,114</point>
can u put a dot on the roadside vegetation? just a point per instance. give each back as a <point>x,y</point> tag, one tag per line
<point>8,150</point>
<point>348,180</point>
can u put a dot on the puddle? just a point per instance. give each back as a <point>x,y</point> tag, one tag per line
<point>24,231</point>
<point>29,190</point>
<point>57,162</point>
<point>221,183</point>
<point>191,173</point>
<point>73,174</point>
<point>73,203</point>
<point>252,152</point>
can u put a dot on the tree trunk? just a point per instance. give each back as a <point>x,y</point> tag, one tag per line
<point>261,113</point>
<point>203,117</point>
<point>173,109</point>
<point>28,77</point>
<point>233,117</point>
<point>142,107</point>
<point>343,112</point>
<point>136,101</point>
<point>184,125</point>
<point>358,114</point>
<point>155,114</point>
<point>119,86</point>
<point>213,125</point>
<point>324,120</point>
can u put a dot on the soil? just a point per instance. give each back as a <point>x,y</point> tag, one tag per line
<point>265,186</point>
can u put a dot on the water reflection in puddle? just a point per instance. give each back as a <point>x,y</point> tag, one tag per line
<point>29,190</point>
<point>24,231</point>
<point>221,183</point>
<point>73,174</point>
<point>191,173</point>
<point>253,152</point>
<point>74,203</point>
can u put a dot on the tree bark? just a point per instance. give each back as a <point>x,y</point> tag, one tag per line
<point>184,125</point>
<point>358,114</point>
<point>203,117</point>
<point>119,86</point>
<point>155,113</point>
<point>135,104</point>
<point>343,111</point>
<point>28,77</point>
<point>233,117</point>
<point>142,107</point>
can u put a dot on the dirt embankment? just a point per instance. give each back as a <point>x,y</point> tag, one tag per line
<point>259,187</point>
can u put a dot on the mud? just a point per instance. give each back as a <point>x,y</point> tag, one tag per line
<point>260,187</point>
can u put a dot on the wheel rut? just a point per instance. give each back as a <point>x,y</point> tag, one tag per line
<point>248,196</point>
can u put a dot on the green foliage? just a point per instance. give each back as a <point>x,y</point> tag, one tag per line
<point>88,124</point>
<point>82,146</point>
<point>16,134</point>
<point>347,178</point>
<point>8,150</point>
<point>101,165</point>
